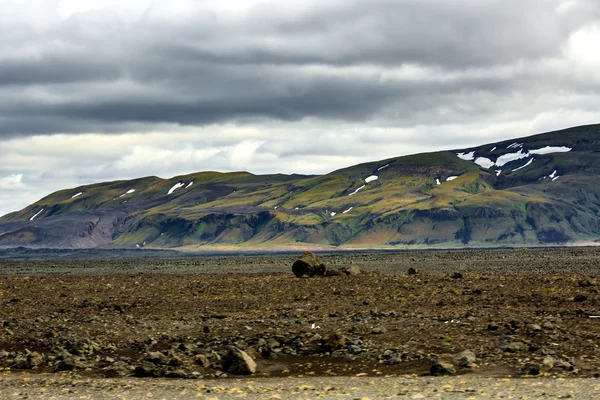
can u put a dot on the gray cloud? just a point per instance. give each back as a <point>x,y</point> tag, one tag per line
<point>96,71</point>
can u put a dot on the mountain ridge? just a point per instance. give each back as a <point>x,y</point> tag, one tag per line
<point>536,190</point>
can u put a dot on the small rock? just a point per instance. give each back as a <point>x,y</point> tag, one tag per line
<point>238,362</point>
<point>146,369</point>
<point>515,347</point>
<point>176,373</point>
<point>156,357</point>
<point>202,360</point>
<point>580,298</point>
<point>118,369</point>
<point>547,364</point>
<point>535,327</point>
<point>465,359</point>
<point>378,330</point>
<point>442,366</point>
<point>457,275</point>
<point>412,271</point>
<point>34,359</point>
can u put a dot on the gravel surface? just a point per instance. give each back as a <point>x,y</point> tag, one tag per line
<point>14,386</point>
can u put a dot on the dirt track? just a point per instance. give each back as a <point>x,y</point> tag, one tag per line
<point>103,318</point>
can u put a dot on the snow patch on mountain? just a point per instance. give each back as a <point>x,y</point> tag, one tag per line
<point>466,156</point>
<point>189,184</point>
<point>128,192</point>
<point>371,178</point>
<point>38,213</point>
<point>498,172</point>
<point>348,210</point>
<point>356,191</point>
<point>175,187</point>
<point>526,165</point>
<point>484,162</point>
<point>552,175</point>
<point>77,195</point>
<point>506,158</point>
<point>451,178</point>
<point>385,166</point>
<point>437,180</point>
<point>552,149</point>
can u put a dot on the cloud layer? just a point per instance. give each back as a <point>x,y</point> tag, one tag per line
<point>94,90</point>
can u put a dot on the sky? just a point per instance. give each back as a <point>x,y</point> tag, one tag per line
<point>101,90</point>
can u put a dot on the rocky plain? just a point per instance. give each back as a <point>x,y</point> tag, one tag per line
<point>474,314</point>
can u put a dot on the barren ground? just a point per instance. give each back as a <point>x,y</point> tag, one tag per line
<point>521,312</point>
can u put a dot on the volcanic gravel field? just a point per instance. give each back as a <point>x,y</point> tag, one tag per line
<point>477,314</point>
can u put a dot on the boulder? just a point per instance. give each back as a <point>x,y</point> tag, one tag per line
<point>308,265</point>
<point>238,362</point>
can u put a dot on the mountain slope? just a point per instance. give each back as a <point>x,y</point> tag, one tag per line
<point>533,191</point>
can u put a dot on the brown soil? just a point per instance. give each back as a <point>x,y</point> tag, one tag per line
<point>383,322</point>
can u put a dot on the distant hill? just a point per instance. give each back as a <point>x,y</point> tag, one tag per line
<point>538,190</point>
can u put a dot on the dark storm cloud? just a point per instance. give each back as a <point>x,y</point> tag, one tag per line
<point>95,72</point>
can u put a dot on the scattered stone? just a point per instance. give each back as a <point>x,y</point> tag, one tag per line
<point>34,360</point>
<point>580,298</point>
<point>308,265</point>
<point>146,369</point>
<point>535,328</point>
<point>238,362</point>
<point>156,357</point>
<point>378,330</point>
<point>515,347</point>
<point>412,271</point>
<point>202,360</point>
<point>442,366</point>
<point>457,275</point>
<point>465,359</point>
<point>118,369</point>
<point>547,364</point>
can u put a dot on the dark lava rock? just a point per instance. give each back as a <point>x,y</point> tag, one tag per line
<point>515,347</point>
<point>580,298</point>
<point>118,369</point>
<point>442,366</point>
<point>412,271</point>
<point>308,265</point>
<point>457,275</point>
<point>176,373</point>
<point>146,369</point>
<point>333,341</point>
<point>71,363</point>
<point>156,357</point>
<point>238,362</point>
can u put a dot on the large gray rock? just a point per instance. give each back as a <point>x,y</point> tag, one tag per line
<point>238,362</point>
<point>308,265</point>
